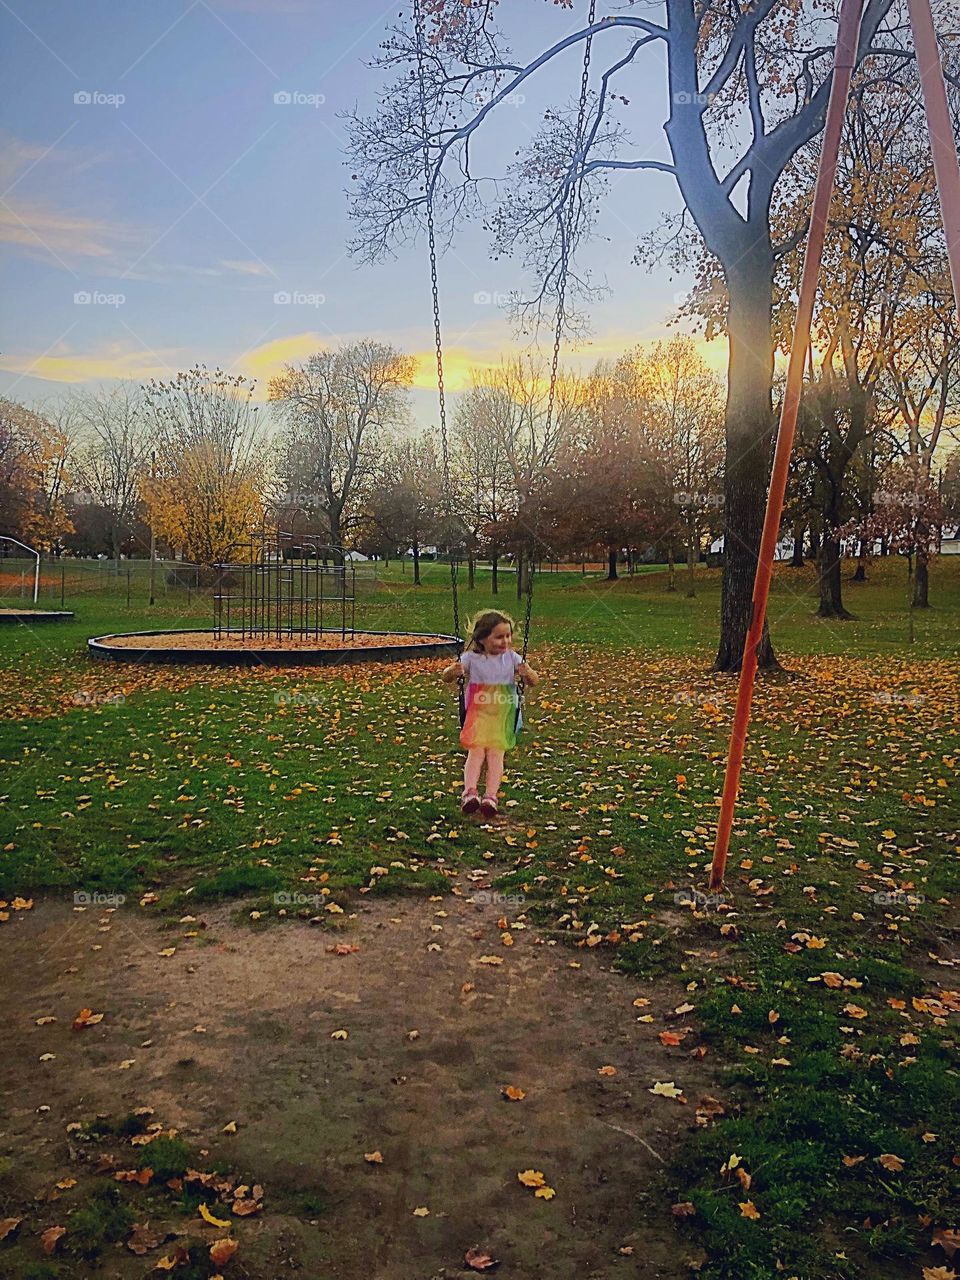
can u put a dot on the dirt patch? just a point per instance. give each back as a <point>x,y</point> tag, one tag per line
<point>237,1025</point>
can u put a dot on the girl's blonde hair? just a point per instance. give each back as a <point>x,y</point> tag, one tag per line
<point>482,624</point>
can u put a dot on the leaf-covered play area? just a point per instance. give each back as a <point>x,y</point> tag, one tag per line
<point>273,1003</point>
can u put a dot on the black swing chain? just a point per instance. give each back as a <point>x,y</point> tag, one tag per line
<point>566,230</point>
<point>438,334</point>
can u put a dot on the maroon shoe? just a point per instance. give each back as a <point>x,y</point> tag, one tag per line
<point>469,802</point>
<point>488,806</point>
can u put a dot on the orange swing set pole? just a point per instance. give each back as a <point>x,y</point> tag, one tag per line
<point>845,56</point>
<point>946,165</point>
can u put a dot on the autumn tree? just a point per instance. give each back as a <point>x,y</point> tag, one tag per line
<point>20,496</point>
<point>46,440</point>
<point>747,89</point>
<point>480,480</point>
<point>683,409</point>
<point>406,502</point>
<point>907,516</point>
<point>512,400</point>
<point>950,489</point>
<point>207,493</point>
<point>113,455</point>
<point>336,411</point>
<point>606,488</point>
<point>876,313</point>
<point>924,381</point>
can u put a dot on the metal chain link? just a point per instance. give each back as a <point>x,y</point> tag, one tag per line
<point>567,224</point>
<point>566,230</point>
<point>438,337</point>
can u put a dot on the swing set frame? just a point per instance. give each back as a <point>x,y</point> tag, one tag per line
<point>947,172</point>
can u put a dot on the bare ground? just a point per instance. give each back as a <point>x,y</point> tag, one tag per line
<point>237,1026</point>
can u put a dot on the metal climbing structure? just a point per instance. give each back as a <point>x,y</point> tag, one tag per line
<point>285,586</point>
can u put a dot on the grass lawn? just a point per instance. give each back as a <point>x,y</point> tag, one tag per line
<point>821,986</point>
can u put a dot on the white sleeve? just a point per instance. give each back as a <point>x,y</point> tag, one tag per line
<point>465,662</point>
<point>517,659</point>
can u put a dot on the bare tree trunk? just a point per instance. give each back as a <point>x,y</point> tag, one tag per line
<point>814,542</point>
<point>612,574</point>
<point>860,573</point>
<point>749,424</point>
<point>691,559</point>
<point>494,575</point>
<point>416,563</point>
<point>471,573</point>
<point>921,581</point>
<point>796,559</point>
<point>831,593</point>
<point>671,568</point>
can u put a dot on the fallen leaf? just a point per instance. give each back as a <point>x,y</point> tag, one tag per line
<point>222,1251</point>
<point>207,1216</point>
<point>948,1239</point>
<point>477,1260</point>
<point>143,1238</point>
<point>668,1090</point>
<point>891,1163</point>
<point>86,1018</point>
<point>51,1237</point>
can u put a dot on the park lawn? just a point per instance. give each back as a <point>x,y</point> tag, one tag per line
<point>826,1002</point>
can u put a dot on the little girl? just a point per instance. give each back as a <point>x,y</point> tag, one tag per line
<point>489,664</point>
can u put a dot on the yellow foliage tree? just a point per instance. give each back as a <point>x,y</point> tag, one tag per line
<point>208,494</point>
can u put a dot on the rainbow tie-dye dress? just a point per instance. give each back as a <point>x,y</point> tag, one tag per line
<point>491,700</point>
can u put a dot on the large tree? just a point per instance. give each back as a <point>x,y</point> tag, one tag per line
<point>747,87</point>
<point>21,431</point>
<point>406,500</point>
<point>113,456</point>
<point>513,403</point>
<point>684,411</point>
<point>337,409</point>
<point>480,481</point>
<point>207,492</point>
<point>882,328</point>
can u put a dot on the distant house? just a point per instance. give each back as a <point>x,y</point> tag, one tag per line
<point>355,555</point>
<point>950,542</point>
<point>784,550</point>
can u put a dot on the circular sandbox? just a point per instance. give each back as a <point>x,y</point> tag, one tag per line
<point>231,650</point>
<point>35,615</point>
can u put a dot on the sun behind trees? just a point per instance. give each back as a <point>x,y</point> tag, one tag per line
<point>747,88</point>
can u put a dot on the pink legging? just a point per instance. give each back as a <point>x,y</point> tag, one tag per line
<point>473,765</point>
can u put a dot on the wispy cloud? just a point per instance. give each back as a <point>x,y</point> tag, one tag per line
<point>114,360</point>
<point>58,233</point>
<point>245,268</point>
<point>262,6</point>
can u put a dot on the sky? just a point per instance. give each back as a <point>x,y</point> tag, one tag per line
<point>172,191</point>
